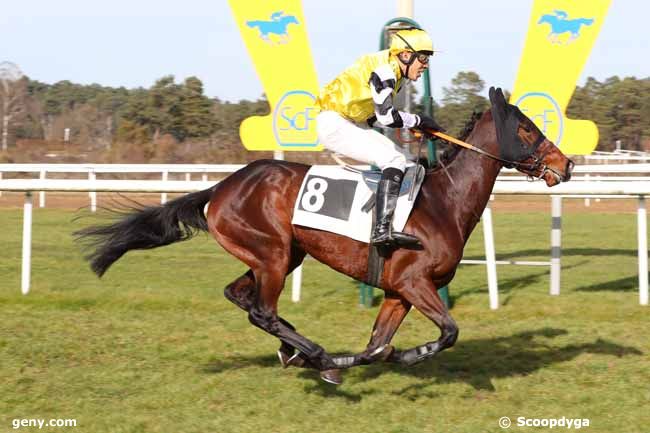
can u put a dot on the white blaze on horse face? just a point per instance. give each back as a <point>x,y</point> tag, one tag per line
<point>206,208</point>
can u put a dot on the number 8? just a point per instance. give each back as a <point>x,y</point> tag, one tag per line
<point>316,187</point>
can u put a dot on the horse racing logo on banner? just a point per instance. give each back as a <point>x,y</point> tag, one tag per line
<point>294,120</point>
<point>561,25</point>
<point>277,26</point>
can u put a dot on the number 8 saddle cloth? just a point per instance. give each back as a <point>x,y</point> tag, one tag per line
<point>340,200</point>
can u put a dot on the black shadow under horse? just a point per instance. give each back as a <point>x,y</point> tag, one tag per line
<point>250,214</point>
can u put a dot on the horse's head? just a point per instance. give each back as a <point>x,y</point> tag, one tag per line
<point>524,146</point>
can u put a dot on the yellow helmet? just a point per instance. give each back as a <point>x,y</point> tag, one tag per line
<point>411,40</point>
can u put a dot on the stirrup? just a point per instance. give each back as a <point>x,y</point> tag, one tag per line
<point>406,240</point>
<point>397,239</point>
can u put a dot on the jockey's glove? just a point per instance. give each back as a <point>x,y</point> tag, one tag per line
<point>426,123</point>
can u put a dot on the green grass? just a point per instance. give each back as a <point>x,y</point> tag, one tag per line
<point>155,347</point>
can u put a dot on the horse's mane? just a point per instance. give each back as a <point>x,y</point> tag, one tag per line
<point>452,151</point>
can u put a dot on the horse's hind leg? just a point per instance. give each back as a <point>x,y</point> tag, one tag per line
<point>263,314</point>
<point>424,296</point>
<point>391,314</point>
<point>241,292</point>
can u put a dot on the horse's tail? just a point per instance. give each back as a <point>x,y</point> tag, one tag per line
<point>145,227</point>
<point>253,24</point>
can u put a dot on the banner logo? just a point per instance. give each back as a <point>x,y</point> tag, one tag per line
<point>294,120</point>
<point>561,25</point>
<point>276,26</point>
<point>542,109</point>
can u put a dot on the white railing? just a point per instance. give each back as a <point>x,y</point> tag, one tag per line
<point>92,170</point>
<point>613,188</point>
<point>164,170</point>
<point>583,186</point>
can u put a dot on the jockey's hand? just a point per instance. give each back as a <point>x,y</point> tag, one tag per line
<point>427,124</point>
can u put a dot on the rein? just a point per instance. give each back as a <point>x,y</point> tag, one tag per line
<point>537,161</point>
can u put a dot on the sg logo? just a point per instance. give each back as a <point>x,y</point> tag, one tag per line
<point>294,120</point>
<point>542,109</point>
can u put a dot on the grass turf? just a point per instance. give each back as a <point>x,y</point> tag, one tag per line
<point>155,347</point>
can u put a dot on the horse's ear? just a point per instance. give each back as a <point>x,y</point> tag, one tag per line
<point>498,101</point>
<point>501,96</point>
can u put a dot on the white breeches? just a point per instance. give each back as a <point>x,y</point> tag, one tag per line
<point>339,135</point>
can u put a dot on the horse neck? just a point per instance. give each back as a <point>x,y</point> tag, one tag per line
<point>473,177</point>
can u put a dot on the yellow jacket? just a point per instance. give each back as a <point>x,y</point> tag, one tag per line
<point>350,95</point>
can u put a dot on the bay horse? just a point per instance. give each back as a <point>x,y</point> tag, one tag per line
<point>249,213</point>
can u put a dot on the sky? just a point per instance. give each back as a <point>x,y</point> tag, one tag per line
<point>132,43</point>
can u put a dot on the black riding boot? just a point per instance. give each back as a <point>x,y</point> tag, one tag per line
<point>387,193</point>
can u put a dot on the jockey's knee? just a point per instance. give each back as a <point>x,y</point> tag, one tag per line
<point>396,160</point>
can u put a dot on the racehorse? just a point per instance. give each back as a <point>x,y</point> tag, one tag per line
<point>249,213</point>
<point>559,25</point>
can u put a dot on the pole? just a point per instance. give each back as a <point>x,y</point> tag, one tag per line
<point>643,251</point>
<point>296,284</point>
<point>27,243</point>
<point>490,258</point>
<point>405,8</point>
<point>296,275</point>
<point>163,196</point>
<point>93,194</point>
<point>41,194</point>
<point>556,243</point>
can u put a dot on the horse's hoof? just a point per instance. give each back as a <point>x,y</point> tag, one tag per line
<point>382,353</point>
<point>284,359</point>
<point>332,376</point>
<point>295,361</point>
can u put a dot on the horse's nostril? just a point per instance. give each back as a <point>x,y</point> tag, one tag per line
<point>569,170</point>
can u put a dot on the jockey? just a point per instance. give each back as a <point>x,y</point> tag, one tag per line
<point>361,97</point>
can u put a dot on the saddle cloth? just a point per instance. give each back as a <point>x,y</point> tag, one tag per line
<point>332,198</point>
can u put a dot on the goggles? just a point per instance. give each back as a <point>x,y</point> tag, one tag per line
<point>422,57</point>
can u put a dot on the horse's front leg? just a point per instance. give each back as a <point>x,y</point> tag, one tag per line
<point>424,296</point>
<point>390,317</point>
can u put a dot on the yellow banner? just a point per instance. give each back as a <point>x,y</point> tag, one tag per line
<point>276,38</point>
<point>561,34</point>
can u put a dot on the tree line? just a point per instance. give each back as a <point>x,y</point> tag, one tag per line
<point>100,116</point>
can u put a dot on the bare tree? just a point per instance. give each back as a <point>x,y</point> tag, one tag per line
<point>12,97</point>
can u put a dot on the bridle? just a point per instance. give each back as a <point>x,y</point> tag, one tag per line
<point>536,166</point>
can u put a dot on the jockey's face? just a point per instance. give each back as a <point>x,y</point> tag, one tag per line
<point>419,65</point>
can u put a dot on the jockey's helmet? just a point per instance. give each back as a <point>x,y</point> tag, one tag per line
<point>414,40</point>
